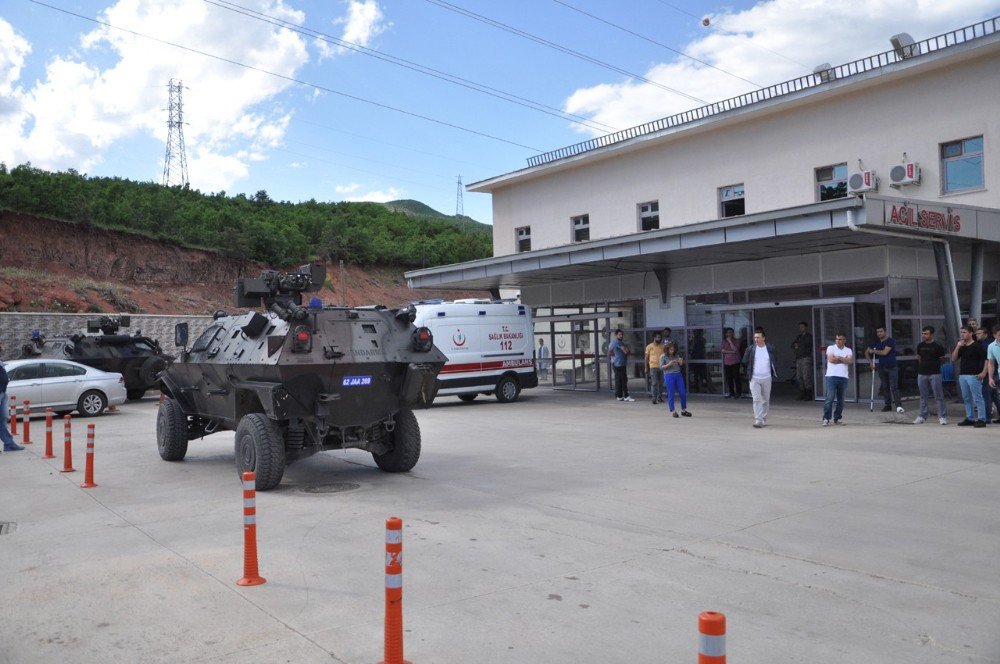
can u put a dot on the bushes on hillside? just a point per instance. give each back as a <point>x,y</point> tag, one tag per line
<point>255,228</point>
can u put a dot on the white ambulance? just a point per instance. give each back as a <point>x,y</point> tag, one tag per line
<point>488,344</point>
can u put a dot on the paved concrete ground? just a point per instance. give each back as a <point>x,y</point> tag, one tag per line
<point>563,528</point>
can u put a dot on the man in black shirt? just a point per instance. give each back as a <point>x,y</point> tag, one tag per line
<point>971,369</point>
<point>930,354</point>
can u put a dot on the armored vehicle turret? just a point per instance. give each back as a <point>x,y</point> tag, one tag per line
<point>136,357</point>
<point>295,380</point>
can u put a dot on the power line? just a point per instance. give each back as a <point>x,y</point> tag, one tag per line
<point>290,78</point>
<point>415,66</point>
<point>734,34</point>
<point>557,47</point>
<point>653,41</point>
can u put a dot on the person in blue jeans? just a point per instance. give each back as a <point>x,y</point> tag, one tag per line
<point>883,349</point>
<point>972,368</point>
<point>839,359</point>
<point>9,444</point>
<point>673,378</point>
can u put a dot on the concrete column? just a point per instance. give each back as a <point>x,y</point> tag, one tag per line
<point>976,301</point>
<point>949,290</point>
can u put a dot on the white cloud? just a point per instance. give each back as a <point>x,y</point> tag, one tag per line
<point>347,188</point>
<point>747,43</point>
<point>80,108</point>
<point>362,24</point>
<point>13,50</point>
<point>377,196</point>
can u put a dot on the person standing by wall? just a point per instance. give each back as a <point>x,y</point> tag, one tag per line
<point>803,348</point>
<point>542,357</point>
<point>731,363</point>
<point>654,351</point>
<point>993,360</point>
<point>839,359</point>
<point>984,337</point>
<point>972,366</point>
<point>9,444</point>
<point>619,351</point>
<point>759,363</point>
<point>672,365</point>
<point>929,354</point>
<point>883,349</point>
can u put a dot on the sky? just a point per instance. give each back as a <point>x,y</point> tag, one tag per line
<point>392,99</point>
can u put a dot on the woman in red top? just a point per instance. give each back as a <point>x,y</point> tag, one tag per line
<point>731,363</point>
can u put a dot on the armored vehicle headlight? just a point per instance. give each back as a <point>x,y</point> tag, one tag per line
<point>423,340</point>
<point>301,339</point>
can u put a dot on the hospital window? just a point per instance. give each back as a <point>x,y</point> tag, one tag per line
<point>649,216</point>
<point>731,201</point>
<point>581,228</point>
<point>831,182</point>
<point>962,165</point>
<point>523,235</point>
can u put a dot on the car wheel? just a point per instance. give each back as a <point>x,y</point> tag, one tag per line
<point>507,389</point>
<point>171,431</point>
<point>468,397</point>
<point>260,448</point>
<point>405,445</point>
<point>92,403</point>
<point>135,395</point>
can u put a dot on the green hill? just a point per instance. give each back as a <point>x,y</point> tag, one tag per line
<point>258,228</point>
<point>421,211</point>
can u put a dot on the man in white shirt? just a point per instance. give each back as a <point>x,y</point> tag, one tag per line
<point>839,359</point>
<point>759,364</point>
<point>542,359</point>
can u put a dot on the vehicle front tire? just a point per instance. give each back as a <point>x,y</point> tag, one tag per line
<point>468,397</point>
<point>149,372</point>
<point>507,390</point>
<point>171,431</point>
<point>405,445</point>
<point>260,448</point>
<point>92,403</point>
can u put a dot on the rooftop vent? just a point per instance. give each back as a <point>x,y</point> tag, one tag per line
<point>825,72</point>
<point>904,46</point>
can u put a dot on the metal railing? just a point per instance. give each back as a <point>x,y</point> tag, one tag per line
<point>813,80</point>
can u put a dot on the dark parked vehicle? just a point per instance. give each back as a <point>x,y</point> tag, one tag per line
<point>297,380</point>
<point>136,357</point>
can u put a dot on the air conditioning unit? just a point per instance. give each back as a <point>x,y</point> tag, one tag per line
<point>905,173</point>
<point>862,182</point>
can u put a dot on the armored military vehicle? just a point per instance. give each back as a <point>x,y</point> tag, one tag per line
<point>136,357</point>
<point>296,380</point>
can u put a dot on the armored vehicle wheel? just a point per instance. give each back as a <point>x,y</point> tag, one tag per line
<point>405,445</point>
<point>135,395</point>
<point>260,448</point>
<point>507,389</point>
<point>171,431</point>
<point>149,372</point>
<point>92,403</point>
<point>468,397</point>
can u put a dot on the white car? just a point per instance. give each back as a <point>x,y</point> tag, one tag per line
<point>64,386</point>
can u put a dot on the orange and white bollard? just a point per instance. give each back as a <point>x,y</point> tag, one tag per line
<point>26,439</point>
<point>48,435</point>
<point>393,592</point>
<point>13,417</point>
<point>711,638</point>
<point>68,447</point>
<point>250,575</point>
<point>88,473</point>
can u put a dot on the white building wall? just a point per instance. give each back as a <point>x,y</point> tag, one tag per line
<point>774,152</point>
